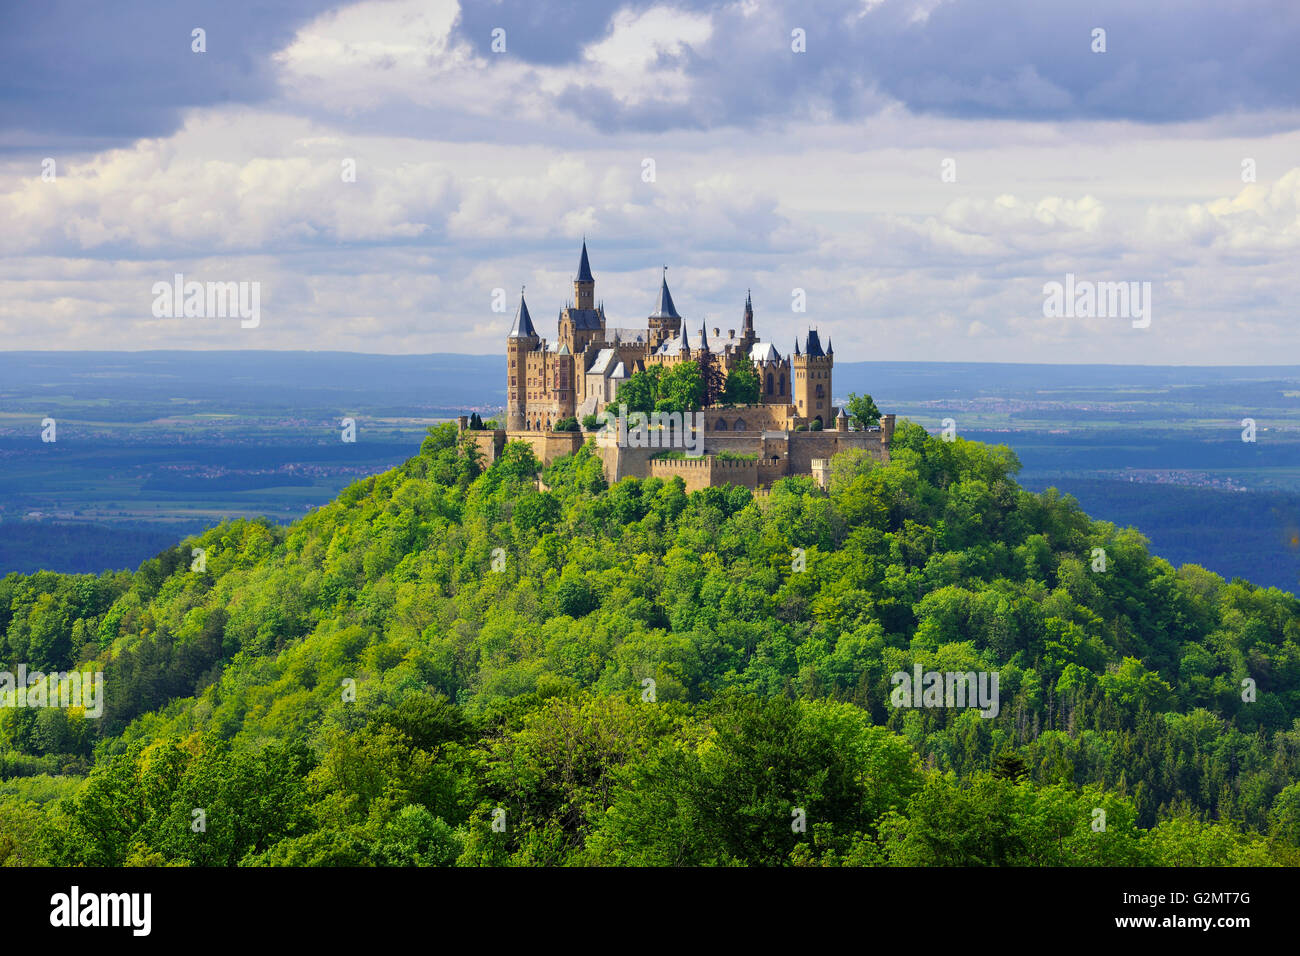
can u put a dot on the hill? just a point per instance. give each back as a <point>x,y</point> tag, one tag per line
<point>447,665</point>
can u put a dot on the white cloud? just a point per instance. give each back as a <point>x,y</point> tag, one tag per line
<point>897,263</point>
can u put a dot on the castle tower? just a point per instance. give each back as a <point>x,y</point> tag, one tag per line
<point>521,340</point>
<point>664,322</point>
<point>811,392</point>
<point>584,286</point>
<point>582,323</point>
<point>747,335</point>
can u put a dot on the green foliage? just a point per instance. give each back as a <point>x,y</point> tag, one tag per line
<point>682,386</point>
<point>635,675</point>
<point>742,385</point>
<point>641,390</point>
<point>862,410</point>
<point>678,388</point>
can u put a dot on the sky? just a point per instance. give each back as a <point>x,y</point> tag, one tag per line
<point>914,173</point>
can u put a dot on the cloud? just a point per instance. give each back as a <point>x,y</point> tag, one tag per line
<point>76,75</point>
<point>774,171</point>
<point>80,76</point>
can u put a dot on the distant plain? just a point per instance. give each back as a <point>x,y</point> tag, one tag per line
<point>152,446</point>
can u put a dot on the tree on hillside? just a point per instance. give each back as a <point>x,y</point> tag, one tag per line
<point>517,461</point>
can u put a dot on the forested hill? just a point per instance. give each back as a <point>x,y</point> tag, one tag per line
<point>449,666</point>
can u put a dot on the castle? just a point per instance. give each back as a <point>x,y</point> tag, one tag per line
<point>793,428</point>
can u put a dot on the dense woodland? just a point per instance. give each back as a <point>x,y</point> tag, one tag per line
<point>447,666</point>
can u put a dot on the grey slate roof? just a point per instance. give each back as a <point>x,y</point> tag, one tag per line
<point>606,359</point>
<point>584,267</point>
<point>812,344</point>
<point>764,352</point>
<point>586,319</point>
<point>523,324</point>
<point>666,309</point>
<point>627,336</point>
<point>674,346</point>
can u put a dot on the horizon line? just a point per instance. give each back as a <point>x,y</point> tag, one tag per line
<point>495,355</point>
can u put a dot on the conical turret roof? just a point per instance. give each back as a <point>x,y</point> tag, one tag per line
<point>584,267</point>
<point>666,309</point>
<point>523,324</point>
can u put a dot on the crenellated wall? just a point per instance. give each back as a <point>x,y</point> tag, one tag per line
<point>779,453</point>
<point>706,472</point>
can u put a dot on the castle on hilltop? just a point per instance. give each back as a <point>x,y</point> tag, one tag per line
<point>791,428</point>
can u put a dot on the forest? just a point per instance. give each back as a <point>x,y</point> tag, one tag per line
<point>454,664</point>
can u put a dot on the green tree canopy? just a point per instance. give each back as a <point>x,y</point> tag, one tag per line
<point>742,387</point>
<point>862,410</point>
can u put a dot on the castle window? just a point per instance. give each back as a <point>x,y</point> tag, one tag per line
<point>783,383</point>
<point>769,383</point>
<point>821,392</point>
<point>740,424</point>
<point>721,426</point>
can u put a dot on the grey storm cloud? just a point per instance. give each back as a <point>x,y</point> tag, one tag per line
<point>1164,61</point>
<point>94,73</point>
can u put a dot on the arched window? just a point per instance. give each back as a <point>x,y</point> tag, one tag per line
<point>783,383</point>
<point>821,392</point>
<point>740,424</point>
<point>769,383</point>
<point>721,426</point>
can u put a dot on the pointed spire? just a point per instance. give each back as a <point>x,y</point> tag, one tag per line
<point>704,337</point>
<point>523,324</point>
<point>796,345</point>
<point>749,314</point>
<point>666,309</point>
<point>686,339</point>
<point>812,344</point>
<point>584,266</point>
<point>829,349</point>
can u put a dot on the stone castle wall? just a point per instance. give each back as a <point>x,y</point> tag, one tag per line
<point>706,472</point>
<point>779,453</point>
